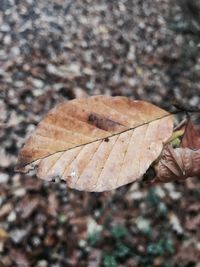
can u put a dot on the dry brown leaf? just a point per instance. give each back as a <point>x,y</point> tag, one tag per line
<point>182,162</point>
<point>191,137</point>
<point>97,143</point>
<point>177,164</point>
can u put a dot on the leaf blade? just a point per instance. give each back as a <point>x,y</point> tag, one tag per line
<point>92,163</point>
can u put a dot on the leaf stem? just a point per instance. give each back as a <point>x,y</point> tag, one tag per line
<point>175,135</point>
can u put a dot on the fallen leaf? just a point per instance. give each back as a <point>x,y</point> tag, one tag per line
<point>97,143</point>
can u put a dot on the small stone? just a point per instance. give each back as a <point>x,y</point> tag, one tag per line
<point>88,71</point>
<point>3,111</point>
<point>19,84</point>
<point>15,51</point>
<point>4,178</point>
<point>7,40</point>
<point>97,213</point>
<point>72,70</point>
<point>17,235</point>
<point>82,243</point>
<point>5,28</point>
<point>19,192</point>
<point>194,101</point>
<point>11,217</point>
<point>175,223</point>
<point>16,179</point>
<point>160,192</point>
<point>131,53</point>
<point>143,225</point>
<point>42,263</point>
<point>198,246</point>
<point>62,218</point>
<point>1,247</point>
<point>38,84</point>
<point>6,159</point>
<point>137,195</point>
<point>5,209</point>
<point>171,191</point>
<point>93,227</point>
<point>51,69</point>
<point>36,241</point>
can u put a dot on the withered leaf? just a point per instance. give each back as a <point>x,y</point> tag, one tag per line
<point>183,162</point>
<point>191,137</point>
<point>177,164</point>
<point>97,143</point>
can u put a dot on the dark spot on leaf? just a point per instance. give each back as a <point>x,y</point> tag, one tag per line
<point>102,122</point>
<point>106,139</point>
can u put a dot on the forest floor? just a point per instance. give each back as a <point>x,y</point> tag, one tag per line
<point>56,50</point>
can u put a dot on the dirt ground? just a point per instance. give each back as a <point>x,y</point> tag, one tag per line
<point>56,50</point>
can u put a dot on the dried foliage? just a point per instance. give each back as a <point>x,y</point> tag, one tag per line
<point>191,138</point>
<point>52,51</point>
<point>180,163</point>
<point>101,143</point>
<point>97,143</point>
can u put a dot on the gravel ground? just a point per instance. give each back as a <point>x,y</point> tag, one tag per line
<point>56,50</point>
